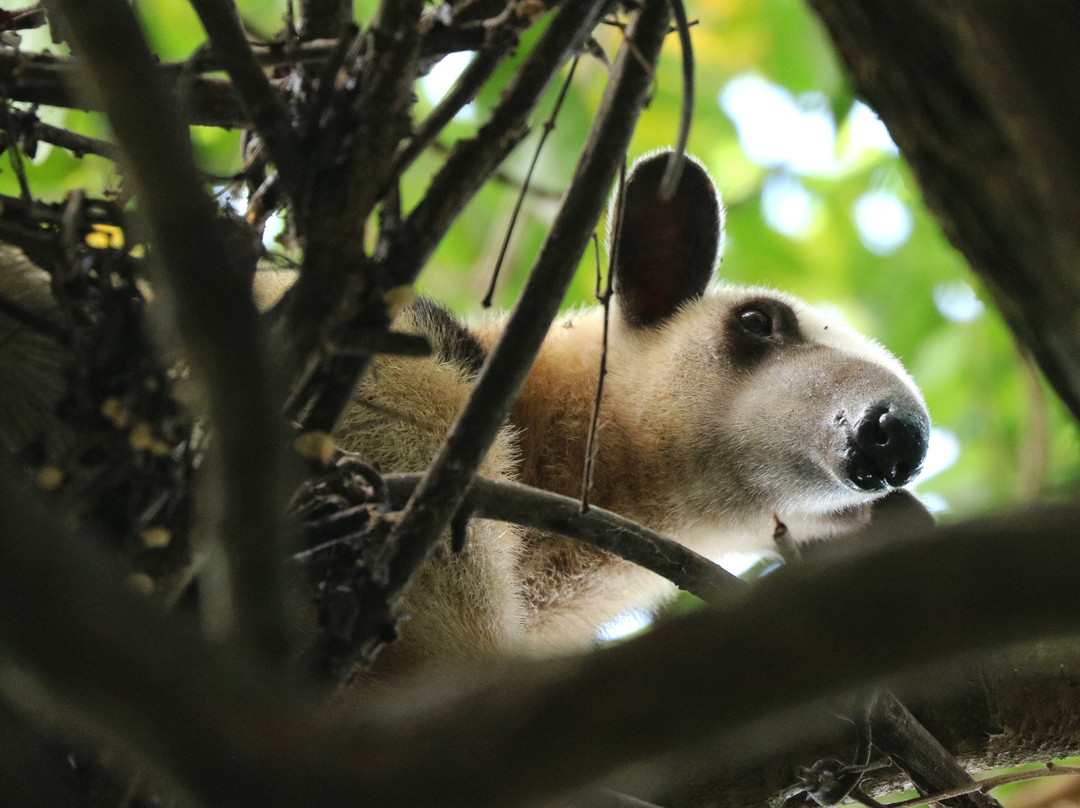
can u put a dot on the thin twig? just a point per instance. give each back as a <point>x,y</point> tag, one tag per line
<point>605,300</point>
<point>670,181</point>
<point>990,783</point>
<point>499,41</point>
<point>29,130</point>
<point>549,126</point>
<point>260,100</point>
<point>471,162</point>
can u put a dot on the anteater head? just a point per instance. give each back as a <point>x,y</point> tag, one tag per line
<point>754,400</point>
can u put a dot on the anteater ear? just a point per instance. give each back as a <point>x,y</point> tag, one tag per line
<point>667,249</point>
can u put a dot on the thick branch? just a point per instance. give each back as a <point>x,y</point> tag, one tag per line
<point>233,735</point>
<point>350,160</point>
<point>213,304</point>
<point>990,131</point>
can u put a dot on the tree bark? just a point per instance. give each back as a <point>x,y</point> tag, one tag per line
<point>983,102</point>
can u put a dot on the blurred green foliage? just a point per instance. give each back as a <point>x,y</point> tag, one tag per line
<point>1015,442</point>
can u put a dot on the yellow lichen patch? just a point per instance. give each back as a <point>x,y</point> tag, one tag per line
<point>116,412</point>
<point>104,236</point>
<point>49,478</point>
<point>141,437</point>
<point>155,538</point>
<point>142,583</point>
<point>315,446</point>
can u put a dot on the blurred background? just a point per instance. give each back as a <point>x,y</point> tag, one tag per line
<point>819,204</point>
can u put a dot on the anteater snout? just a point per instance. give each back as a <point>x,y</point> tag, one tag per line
<point>887,446</point>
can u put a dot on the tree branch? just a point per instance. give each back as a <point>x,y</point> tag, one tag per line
<point>26,129</point>
<point>499,40</point>
<point>261,102</point>
<point>105,662</point>
<point>213,305</point>
<point>990,134</point>
<point>41,78</point>
<point>440,493</point>
<point>352,156</point>
<point>471,162</point>
<point>531,507</point>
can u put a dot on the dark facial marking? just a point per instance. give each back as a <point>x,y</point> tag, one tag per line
<point>755,328</point>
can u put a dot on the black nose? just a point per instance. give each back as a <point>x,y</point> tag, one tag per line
<point>887,446</point>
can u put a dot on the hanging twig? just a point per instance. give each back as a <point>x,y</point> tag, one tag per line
<point>605,301</point>
<point>549,126</point>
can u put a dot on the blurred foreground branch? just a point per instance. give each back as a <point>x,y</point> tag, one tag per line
<point>107,662</point>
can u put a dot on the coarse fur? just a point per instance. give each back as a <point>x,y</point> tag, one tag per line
<point>723,410</point>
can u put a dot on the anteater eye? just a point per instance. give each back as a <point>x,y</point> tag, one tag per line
<point>756,322</point>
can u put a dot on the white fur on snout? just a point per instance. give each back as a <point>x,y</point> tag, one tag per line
<point>743,442</point>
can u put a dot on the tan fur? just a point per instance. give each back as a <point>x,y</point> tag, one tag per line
<point>464,605</point>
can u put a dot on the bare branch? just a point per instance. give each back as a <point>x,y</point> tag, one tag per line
<point>471,162</point>
<point>28,130</point>
<point>531,507</point>
<point>350,159</point>
<point>499,40</point>
<point>47,79</point>
<point>260,100</point>
<point>439,496</point>
<point>214,309</point>
<point>231,734</point>
<point>990,134</point>
<point>989,783</point>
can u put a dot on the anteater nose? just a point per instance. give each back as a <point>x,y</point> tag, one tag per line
<point>889,445</point>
